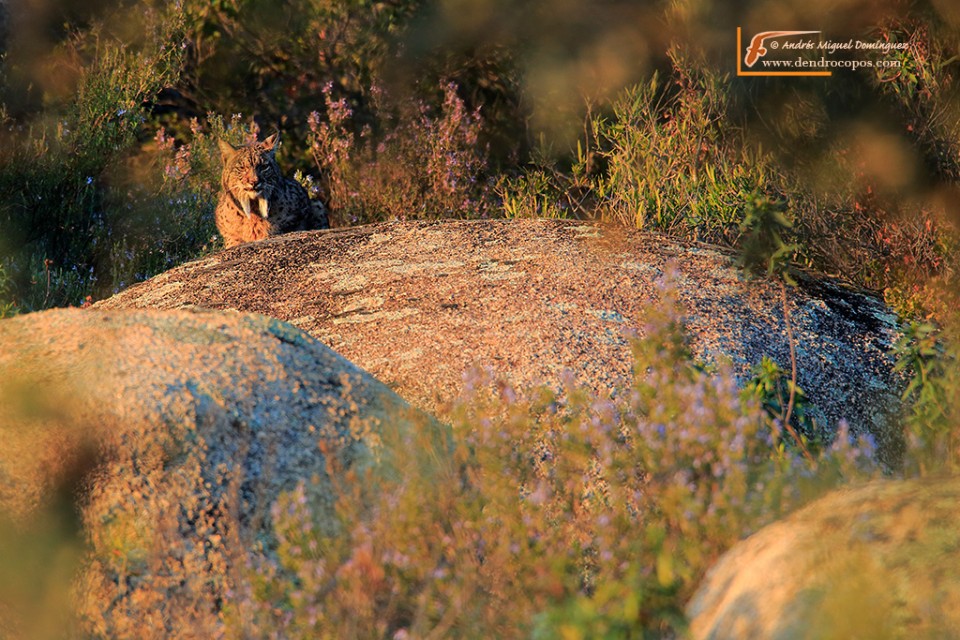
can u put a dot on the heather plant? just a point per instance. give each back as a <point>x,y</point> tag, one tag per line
<point>424,163</point>
<point>242,55</point>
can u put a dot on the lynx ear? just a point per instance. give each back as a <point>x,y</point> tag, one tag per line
<point>270,144</point>
<point>227,150</point>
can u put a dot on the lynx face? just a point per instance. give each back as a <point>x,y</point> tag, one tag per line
<point>251,174</point>
<point>253,190</point>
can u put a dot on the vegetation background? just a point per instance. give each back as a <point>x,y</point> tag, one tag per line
<point>618,110</point>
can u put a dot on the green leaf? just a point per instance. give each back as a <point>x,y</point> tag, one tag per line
<point>665,572</point>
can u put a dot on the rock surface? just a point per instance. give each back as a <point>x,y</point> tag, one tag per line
<point>184,427</point>
<point>877,561</point>
<point>419,303</point>
<point>258,392</point>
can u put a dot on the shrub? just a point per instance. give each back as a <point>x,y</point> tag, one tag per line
<point>544,190</point>
<point>534,194</point>
<point>80,217</point>
<point>662,157</point>
<point>930,356</point>
<point>670,166</point>
<point>426,163</point>
<point>247,56</point>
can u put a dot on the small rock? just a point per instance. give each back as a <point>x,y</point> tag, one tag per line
<point>877,561</point>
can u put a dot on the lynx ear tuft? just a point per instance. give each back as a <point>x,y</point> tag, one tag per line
<point>271,143</point>
<point>227,150</point>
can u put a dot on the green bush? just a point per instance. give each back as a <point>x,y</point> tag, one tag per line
<point>80,216</point>
<point>930,356</point>
<point>663,157</point>
<point>670,164</point>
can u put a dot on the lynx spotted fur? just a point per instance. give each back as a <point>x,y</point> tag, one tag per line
<point>256,201</point>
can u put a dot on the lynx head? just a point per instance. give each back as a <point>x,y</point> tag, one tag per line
<point>251,174</point>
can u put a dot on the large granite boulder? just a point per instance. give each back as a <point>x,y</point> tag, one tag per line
<point>419,303</point>
<point>877,561</point>
<point>180,428</point>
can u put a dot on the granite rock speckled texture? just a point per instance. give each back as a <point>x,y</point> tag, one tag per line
<point>419,303</point>
<point>180,429</point>
<point>259,393</point>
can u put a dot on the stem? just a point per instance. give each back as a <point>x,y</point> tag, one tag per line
<point>793,374</point>
<point>46,268</point>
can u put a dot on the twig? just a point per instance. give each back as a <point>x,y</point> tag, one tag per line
<point>46,267</point>
<point>793,374</point>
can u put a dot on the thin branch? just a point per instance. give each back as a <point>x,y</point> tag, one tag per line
<point>793,374</point>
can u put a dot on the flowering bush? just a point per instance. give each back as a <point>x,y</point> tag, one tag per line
<point>425,163</point>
